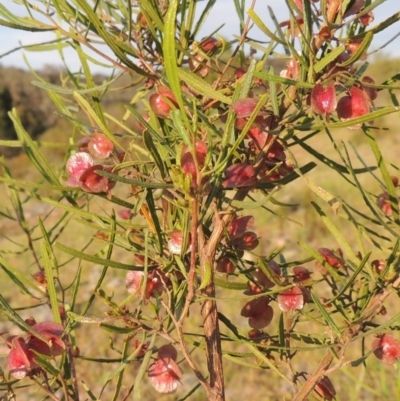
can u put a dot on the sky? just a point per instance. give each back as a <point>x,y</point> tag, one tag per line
<point>222,13</point>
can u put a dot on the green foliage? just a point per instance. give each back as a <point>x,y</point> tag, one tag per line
<point>164,198</point>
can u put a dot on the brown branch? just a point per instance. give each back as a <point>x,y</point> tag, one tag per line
<point>209,308</point>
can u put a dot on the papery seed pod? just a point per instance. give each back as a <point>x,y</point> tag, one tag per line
<point>175,242</point>
<point>261,279</point>
<point>384,204</point>
<point>355,8</point>
<point>140,347</point>
<point>386,348</point>
<point>372,93</point>
<point>133,281</point>
<point>156,282</point>
<point>325,389</point>
<point>162,102</point>
<point>188,162</point>
<point>301,275</point>
<point>225,265</point>
<point>240,72</point>
<point>168,351</point>
<point>141,20</point>
<point>52,332</point>
<point>291,300</point>
<point>239,225</point>
<point>92,182</point>
<point>244,107</point>
<point>379,265</point>
<point>100,146</point>
<point>248,241</point>
<point>292,70</point>
<point>199,64</point>
<point>41,279</point>
<point>20,361</point>
<point>239,175</point>
<point>76,165</point>
<point>254,334</point>
<point>325,33</point>
<point>125,214</point>
<point>83,145</point>
<point>330,258</point>
<point>259,312</point>
<point>164,375</point>
<point>323,100</point>
<point>352,47</point>
<point>209,45</point>
<point>367,19</point>
<point>354,105</point>
<point>294,29</point>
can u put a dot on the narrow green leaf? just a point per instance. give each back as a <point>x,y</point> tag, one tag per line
<point>349,123</point>
<point>380,161</point>
<point>93,115</point>
<point>27,27</point>
<point>143,369</point>
<point>328,58</point>
<point>325,315</point>
<point>66,91</point>
<point>317,256</point>
<point>136,183</point>
<point>352,278</point>
<point>44,363</point>
<point>32,151</point>
<point>224,283</point>
<point>110,41</point>
<point>280,80</point>
<point>97,260</point>
<point>152,209</point>
<point>116,329</point>
<point>149,143</point>
<point>91,320</point>
<point>202,87</point>
<point>46,47</point>
<point>338,235</point>
<point>247,80</point>
<point>360,50</point>
<point>205,280</point>
<point>19,279</point>
<point>51,289</point>
<point>329,162</point>
<point>170,56</point>
<point>262,27</point>
<point>19,321</point>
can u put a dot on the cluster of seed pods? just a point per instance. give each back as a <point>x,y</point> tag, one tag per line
<point>262,145</point>
<point>81,166</point>
<point>23,350</point>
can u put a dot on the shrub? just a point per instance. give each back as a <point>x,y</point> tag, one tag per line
<point>218,143</point>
